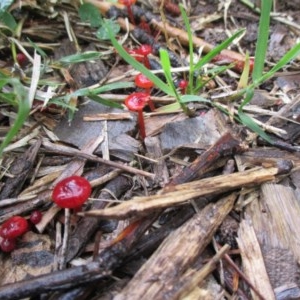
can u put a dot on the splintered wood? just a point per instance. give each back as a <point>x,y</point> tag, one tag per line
<point>184,192</point>
<point>160,275</point>
<point>253,263</point>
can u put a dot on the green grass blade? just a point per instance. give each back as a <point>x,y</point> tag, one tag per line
<point>191,47</point>
<point>166,65</point>
<point>262,41</point>
<point>248,121</point>
<point>23,112</point>
<point>80,57</point>
<point>193,98</point>
<point>105,102</point>
<point>135,64</point>
<point>210,55</point>
<point>289,56</point>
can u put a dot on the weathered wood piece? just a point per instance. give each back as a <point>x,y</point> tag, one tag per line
<point>275,218</point>
<point>20,170</point>
<point>253,262</point>
<point>187,191</point>
<point>226,145</point>
<point>74,152</point>
<point>160,275</point>
<point>154,152</point>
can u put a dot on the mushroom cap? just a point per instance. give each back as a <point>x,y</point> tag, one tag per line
<point>144,49</point>
<point>143,81</point>
<point>137,101</point>
<point>127,2</point>
<point>13,227</point>
<point>71,192</point>
<point>183,84</point>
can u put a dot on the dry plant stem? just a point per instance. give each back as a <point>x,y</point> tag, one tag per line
<point>176,254</point>
<point>181,193</point>
<point>63,252</point>
<point>242,275</point>
<point>171,31</point>
<point>71,151</point>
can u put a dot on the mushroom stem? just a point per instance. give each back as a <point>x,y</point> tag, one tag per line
<point>130,15</point>
<point>150,102</point>
<point>141,124</point>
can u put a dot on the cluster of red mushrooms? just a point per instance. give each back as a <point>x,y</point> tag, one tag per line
<point>138,100</point>
<point>71,192</point>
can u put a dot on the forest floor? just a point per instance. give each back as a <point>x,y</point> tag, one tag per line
<point>201,208</point>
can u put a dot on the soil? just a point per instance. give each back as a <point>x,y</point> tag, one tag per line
<point>202,208</point>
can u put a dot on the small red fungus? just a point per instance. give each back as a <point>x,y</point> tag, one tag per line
<point>136,102</point>
<point>144,82</point>
<point>36,217</point>
<point>145,50</point>
<point>71,192</point>
<point>183,84</point>
<point>135,55</point>
<point>8,245</point>
<point>128,4</point>
<point>21,59</point>
<point>13,227</point>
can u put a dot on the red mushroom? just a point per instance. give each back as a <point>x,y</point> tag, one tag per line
<point>13,227</point>
<point>183,84</point>
<point>128,4</point>
<point>136,102</point>
<point>35,217</point>
<point>144,82</point>
<point>8,245</point>
<point>145,50</point>
<point>71,192</point>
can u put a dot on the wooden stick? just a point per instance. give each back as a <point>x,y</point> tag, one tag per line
<point>184,192</point>
<point>72,151</point>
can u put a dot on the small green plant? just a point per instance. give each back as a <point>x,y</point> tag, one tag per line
<point>17,96</point>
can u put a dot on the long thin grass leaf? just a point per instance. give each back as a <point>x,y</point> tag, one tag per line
<point>23,112</point>
<point>135,64</point>
<point>105,102</point>
<point>289,56</point>
<point>262,39</point>
<point>210,55</point>
<point>191,47</point>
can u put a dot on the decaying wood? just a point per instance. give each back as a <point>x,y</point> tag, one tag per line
<point>253,262</point>
<point>155,152</point>
<point>275,219</point>
<point>225,146</point>
<point>183,192</point>
<point>160,275</point>
<point>20,170</point>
